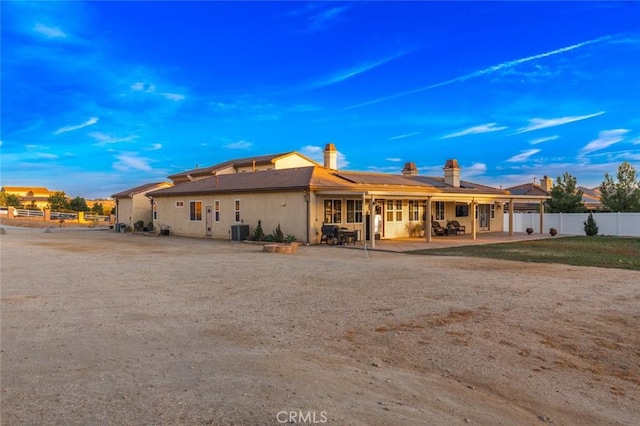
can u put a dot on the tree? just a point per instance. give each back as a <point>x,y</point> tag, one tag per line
<point>58,201</point>
<point>79,204</point>
<point>9,200</point>
<point>98,209</point>
<point>565,197</point>
<point>590,226</point>
<point>623,195</point>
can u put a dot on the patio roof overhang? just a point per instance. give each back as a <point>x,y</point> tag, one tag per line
<point>438,196</point>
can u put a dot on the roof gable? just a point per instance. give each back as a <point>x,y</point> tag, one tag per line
<point>140,189</point>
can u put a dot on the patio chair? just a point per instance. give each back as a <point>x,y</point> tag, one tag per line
<point>436,229</point>
<point>459,228</point>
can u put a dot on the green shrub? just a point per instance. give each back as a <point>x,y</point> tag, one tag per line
<point>269,238</point>
<point>258,233</point>
<point>290,238</point>
<point>590,226</point>
<point>278,235</point>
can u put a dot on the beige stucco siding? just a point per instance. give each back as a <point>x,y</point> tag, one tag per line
<point>291,161</point>
<point>285,208</point>
<point>131,210</point>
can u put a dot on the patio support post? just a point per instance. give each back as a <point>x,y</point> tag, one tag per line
<point>541,217</point>
<point>511,217</point>
<point>363,236</point>
<point>474,222</point>
<point>427,226</point>
<point>372,219</point>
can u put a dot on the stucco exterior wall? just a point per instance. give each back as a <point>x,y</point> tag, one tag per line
<point>131,210</point>
<point>292,161</point>
<point>272,208</point>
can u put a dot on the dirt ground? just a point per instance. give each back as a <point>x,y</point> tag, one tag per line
<point>100,327</point>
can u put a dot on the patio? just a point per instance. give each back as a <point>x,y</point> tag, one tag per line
<point>409,244</point>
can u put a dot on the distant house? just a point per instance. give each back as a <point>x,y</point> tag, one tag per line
<point>301,196</point>
<point>245,165</point>
<point>132,205</point>
<point>30,195</point>
<point>591,199</point>
<point>531,189</point>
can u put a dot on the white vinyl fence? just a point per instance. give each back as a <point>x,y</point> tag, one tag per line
<point>621,224</point>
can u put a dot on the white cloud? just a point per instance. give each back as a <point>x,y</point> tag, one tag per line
<point>242,144</point>
<point>483,128</point>
<point>128,161</point>
<point>395,160</point>
<point>51,32</point>
<point>541,140</point>
<point>172,96</point>
<point>605,139</point>
<point>523,156</point>
<point>543,123</point>
<point>406,135</point>
<point>316,154</point>
<point>155,147</point>
<point>476,169</point>
<point>104,139</point>
<point>89,122</point>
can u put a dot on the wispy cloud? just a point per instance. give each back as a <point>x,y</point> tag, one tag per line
<point>145,87</point>
<point>394,159</point>
<point>242,144</point>
<point>354,71</point>
<point>89,122</point>
<point>543,123</point>
<point>320,20</point>
<point>483,128</point>
<point>494,68</point>
<point>128,161</point>
<point>155,147</point>
<point>523,156</point>
<point>406,135</point>
<point>475,169</point>
<point>50,32</point>
<point>605,139</point>
<point>541,140</point>
<point>103,139</point>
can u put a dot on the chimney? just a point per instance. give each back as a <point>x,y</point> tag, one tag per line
<point>410,169</point>
<point>546,183</point>
<point>452,173</point>
<point>330,156</point>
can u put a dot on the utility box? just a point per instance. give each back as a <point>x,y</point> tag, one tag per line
<point>239,232</point>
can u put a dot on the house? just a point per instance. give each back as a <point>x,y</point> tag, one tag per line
<point>30,195</point>
<point>526,189</point>
<point>591,199</point>
<point>133,205</point>
<point>303,198</point>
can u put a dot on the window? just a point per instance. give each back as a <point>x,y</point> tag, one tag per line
<point>216,210</point>
<point>333,211</point>
<point>354,211</point>
<point>414,210</point>
<point>394,210</point>
<point>440,210</point>
<point>493,211</point>
<point>237,210</point>
<point>195,210</point>
<point>179,203</point>
<point>155,211</point>
<point>462,210</point>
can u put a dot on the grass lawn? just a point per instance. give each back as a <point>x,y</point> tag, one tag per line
<point>604,252</point>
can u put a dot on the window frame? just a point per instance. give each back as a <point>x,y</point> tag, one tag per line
<point>236,209</point>
<point>354,212</point>
<point>216,210</point>
<point>179,204</point>
<point>195,214</point>
<point>440,210</point>
<point>332,209</point>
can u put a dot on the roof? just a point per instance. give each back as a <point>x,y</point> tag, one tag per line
<point>129,193</point>
<point>527,189</point>
<point>238,162</point>
<point>318,178</point>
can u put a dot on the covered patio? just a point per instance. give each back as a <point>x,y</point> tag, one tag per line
<point>400,245</point>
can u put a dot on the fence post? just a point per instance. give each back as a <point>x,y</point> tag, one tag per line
<point>47,215</point>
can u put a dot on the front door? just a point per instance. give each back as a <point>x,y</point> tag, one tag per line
<point>209,220</point>
<point>484,214</point>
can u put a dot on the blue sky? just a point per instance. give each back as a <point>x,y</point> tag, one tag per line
<point>98,97</point>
